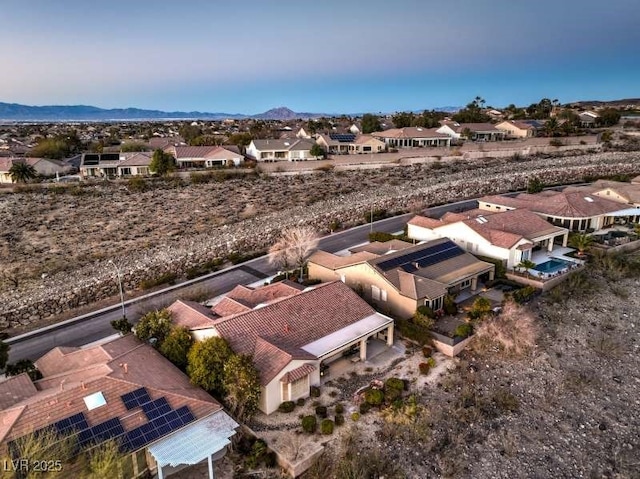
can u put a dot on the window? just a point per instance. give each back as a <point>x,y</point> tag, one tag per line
<point>375,292</point>
<point>436,304</point>
<point>383,295</point>
<point>285,392</point>
<point>465,283</point>
<point>95,400</point>
<point>525,255</point>
<point>300,387</point>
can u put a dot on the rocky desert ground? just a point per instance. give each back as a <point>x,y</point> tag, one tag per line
<point>55,243</point>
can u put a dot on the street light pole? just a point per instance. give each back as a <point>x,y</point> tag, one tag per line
<point>120,285</point>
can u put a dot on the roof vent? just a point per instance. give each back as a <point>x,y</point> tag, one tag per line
<point>286,143</point>
<point>587,198</point>
<point>419,129</point>
<point>95,400</point>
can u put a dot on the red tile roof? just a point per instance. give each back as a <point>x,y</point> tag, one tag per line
<point>191,315</point>
<point>297,373</point>
<point>114,368</point>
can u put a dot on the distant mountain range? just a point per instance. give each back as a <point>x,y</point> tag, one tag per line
<point>16,112</point>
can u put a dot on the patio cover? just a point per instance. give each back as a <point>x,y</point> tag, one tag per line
<point>627,212</point>
<point>347,335</point>
<point>194,443</point>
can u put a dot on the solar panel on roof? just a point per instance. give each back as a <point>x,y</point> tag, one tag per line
<point>135,398</point>
<point>91,160</point>
<point>156,408</point>
<point>342,137</point>
<point>77,422</point>
<point>422,258</point>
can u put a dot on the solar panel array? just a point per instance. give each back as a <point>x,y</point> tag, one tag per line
<point>135,398</point>
<point>343,137</point>
<point>422,258</point>
<point>91,160</point>
<point>162,420</point>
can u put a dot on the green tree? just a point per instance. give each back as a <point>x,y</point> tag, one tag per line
<point>242,386</point>
<point>122,325</point>
<point>535,185</point>
<point>205,364</point>
<point>370,123</point>
<point>609,117</point>
<point>155,324</point>
<point>22,172</point>
<point>317,151</point>
<point>133,146</point>
<point>526,264</point>
<point>472,113</point>
<point>23,366</point>
<point>4,354</point>
<point>189,132</point>
<point>240,139</point>
<point>551,127</point>
<point>403,119</point>
<point>162,163</point>
<point>176,346</point>
<point>45,446</point>
<point>581,242</point>
<point>104,460</point>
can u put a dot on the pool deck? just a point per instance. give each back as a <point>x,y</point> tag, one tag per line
<point>558,253</point>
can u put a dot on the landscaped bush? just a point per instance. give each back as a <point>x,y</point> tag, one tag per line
<point>314,391</point>
<point>326,426</point>
<point>450,306</point>
<point>374,397</point>
<point>463,331</point>
<point>339,408</point>
<point>287,406</point>
<point>427,351</point>
<point>339,419</point>
<point>393,388</point>
<point>412,331</point>
<point>309,424</point>
<point>300,401</point>
<point>321,411</point>
<point>364,408</point>
<point>380,236</point>
<point>424,368</point>
<point>355,416</point>
<point>424,316</point>
<point>525,294</point>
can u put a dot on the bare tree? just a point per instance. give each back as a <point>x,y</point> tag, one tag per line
<point>294,247</point>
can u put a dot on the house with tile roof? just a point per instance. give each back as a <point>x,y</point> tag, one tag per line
<point>120,389</point>
<point>510,236</point>
<point>402,279</point>
<point>573,209</point>
<point>290,333</point>
<point>204,156</point>
<point>412,137</point>
<point>471,131</point>
<point>281,150</point>
<point>43,167</point>
<point>349,143</point>
<point>112,165</point>
<point>517,129</point>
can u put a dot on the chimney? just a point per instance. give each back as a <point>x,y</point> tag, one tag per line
<point>286,328</point>
<point>62,384</point>
<point>84,387</point>
<point>126,368</point>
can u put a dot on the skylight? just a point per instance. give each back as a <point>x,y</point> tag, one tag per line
<point>590,200</point>
<point>95,400</point>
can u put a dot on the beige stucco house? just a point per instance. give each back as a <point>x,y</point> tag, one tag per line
<point>509,236</point>
<point>291,333</point>
<point>412,137</point>
<point>516,129</point>
<point>404,277</point>
<point>204,156</point>
<point>281,150</point>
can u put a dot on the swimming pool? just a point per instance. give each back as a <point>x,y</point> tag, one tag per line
<point>552,266</point>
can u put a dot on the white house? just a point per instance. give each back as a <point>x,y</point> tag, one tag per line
<point>412,137</point>
<point>204,156</point>
<point>509,236</point>
<point>290,333</point>
<point>280,150</point>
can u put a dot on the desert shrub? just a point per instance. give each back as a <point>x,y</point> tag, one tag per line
<point>326,426</point>
<point>463,331</point>
<point>166,278</point>
<point>378,214</point>
<point>339,408</point>
<point>314,391</point>
<point>122,325</point>
<point>427,351</point>
<point>355,416</point>
<point>309,424</point>
<point>424,368</point>
<point>380,236</point>
<point>556,142</point>
<point>481,307</point>
<point>374,397</point>
<point>339,419</point>
<point>137,184</point>
<point>431,362</point>
<point>364,408</point>
<point>525,294</point>
<point>505,401</point>
<point>514,331</point>
<point>300,402</point>
<point>287,406</point>
<point>321,411</point>
<point>393,388</point>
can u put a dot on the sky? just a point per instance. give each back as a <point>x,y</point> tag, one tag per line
<point>322,56</point>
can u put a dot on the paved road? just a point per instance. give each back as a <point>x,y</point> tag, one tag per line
<point>95,325</point>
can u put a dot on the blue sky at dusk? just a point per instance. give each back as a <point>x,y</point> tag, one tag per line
<point>331,56</point>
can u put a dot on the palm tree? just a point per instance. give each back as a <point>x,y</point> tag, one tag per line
<point>526,264</point>
<point>551,126</point>
<point>22,172</point>
<point>581,242</point>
